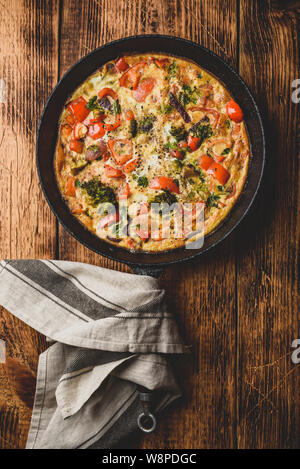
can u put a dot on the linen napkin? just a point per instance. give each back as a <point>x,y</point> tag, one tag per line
<point>113,334</point>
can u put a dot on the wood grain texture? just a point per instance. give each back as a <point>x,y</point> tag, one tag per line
<point>268,304</point>
<point>236,306</point>
<point>28,67</point>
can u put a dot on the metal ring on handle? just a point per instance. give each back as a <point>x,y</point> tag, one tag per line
<point>140,425</point>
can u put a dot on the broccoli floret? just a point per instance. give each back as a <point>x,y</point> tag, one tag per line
<point>202,131</point>
<point>179,133</point>
<point>146,124</point>
<point>164,197</point>
<point>98,193</point>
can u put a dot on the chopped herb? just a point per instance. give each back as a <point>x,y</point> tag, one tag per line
<point>171,146</point>
<point>166,108</point>
<point>116,108</point>
<point>173,69</point>
<point>179,133</point>
<point>202,131</point>
<point>226,151</point>
<point>93,104</point>
<point>227,123</point>
<point>188,95</point>
<point>142,181</point>
<point>77,183</point>
<point>199,75</point>
<point>212,200</point>
<point>98,193</point>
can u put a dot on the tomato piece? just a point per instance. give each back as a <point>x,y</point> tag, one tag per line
<point>125,151</point>
<point>193,142</point>
<point>121,65</point>
<point>108,220</point>
<point>234,111</point>
<point>115,125</point>
<point>144,235</point>
<point>205,161</point>
<point>129,115</point>
<point>79,109</point>
<point>219,172</point>
<point>107,92</point>
<point>76,145</point>
<point>131,77</point>
<point>79,130</point>
<point>183,144</point>
<point>70,186</point>
<point>124,192</point>
<point>177,154</point>
<point>164,182</point>
<point>96,129</point>
<point>130,165</point>
<point>143,89</point>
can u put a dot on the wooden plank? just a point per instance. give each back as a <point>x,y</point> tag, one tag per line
<point>28,70</point>
<point>202,295</point>
<point>268,304</point>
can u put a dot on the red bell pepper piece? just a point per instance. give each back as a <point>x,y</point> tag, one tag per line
<point>234,111</point>
<point>219,172</point>
<point>160,62</point>
<point>113,172</point>
<point>164,183</point>
<point>130,165</point>
<point>205,161</point>
<point>115,125</point>
<point>76,145</point>
<point>96,129</point>
<point>131,77</point>
<point>79,109</point>
<point>121,65</point>
<point>125,146</point>
<point>107,92</point>
<point>193,142</point>
<point>70,187</point>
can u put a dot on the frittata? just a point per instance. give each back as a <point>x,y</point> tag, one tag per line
<point>148,140</point>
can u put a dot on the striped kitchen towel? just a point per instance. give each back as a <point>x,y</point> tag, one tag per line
<point>112,334</point>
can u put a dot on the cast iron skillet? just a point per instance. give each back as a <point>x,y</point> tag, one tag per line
<point>141,262</point>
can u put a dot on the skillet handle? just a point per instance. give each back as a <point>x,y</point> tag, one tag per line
<point>152,271</point>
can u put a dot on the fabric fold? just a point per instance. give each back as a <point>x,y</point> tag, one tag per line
<point>113,334</point>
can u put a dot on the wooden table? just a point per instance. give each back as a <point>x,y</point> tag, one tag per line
<point>237,305</point>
